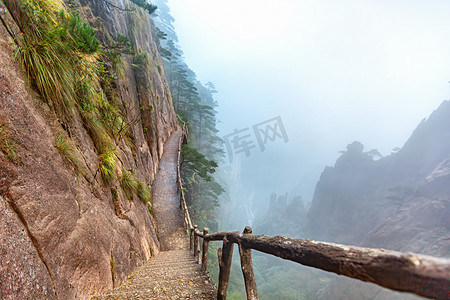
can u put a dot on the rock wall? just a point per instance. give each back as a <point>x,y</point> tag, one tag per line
<point>65,235</point>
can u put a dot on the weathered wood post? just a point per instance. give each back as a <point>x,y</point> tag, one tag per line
<point>195,243</point>
<point>247,269</point>
<point>197,247</point>
<point>191,238</point>
<point>225,255</point>
<point>205,250</point>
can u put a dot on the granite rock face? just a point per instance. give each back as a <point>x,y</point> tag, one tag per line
<point>65,235</point>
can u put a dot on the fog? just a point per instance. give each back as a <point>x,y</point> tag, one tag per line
<point>334,71</point>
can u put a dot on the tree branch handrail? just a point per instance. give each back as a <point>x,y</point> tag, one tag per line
<point>423,275</point>
<point>183,205</point>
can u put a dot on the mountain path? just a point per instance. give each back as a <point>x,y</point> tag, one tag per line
<point>173,273</point>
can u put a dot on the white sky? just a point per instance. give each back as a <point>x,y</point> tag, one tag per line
<point>335,71</point>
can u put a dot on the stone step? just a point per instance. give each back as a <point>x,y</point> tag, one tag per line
<point>170,275</point>
<point>157,273</point>
<point>160,294</point>
<point>174,279</point>
<point>172,260</point>
<point>161,264</point>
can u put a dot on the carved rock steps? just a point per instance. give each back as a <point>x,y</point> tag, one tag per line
<point>170,275</point>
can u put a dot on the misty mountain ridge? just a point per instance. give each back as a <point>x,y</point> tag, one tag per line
<point>358,197</point>
<point>399,202</point>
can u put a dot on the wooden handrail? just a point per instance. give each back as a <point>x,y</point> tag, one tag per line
<point>183,205</point>
<point>406,272</point>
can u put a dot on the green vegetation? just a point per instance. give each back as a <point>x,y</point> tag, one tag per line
<point>112,264</point>
<point>107,164</point>
<point>64,147</point>
<point>129,184</point>
<point>143,192</point>
<point>275,278</point>
<point>82,33</point>
<point>114,48</point>
<point>6,145</point>
<point>196,163</point>
<point>63,60</point>
<point>148,107</point>
<point>75,75</point>
<point>140,61</point>
<point>114,194</point>
<point>67,151</point>
<point>150,209</point>
<point>54,45</point>
<point>150,8</point>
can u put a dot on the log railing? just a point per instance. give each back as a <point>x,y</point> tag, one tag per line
<point>183,205</point>
<point>406,272</point>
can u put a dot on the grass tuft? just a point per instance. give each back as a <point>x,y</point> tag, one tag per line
<point>68,151</point>
<point>48,64</point>
<point>64,146</point>
<point>129,183</point>
<point>144,193</point>
<point>107,165</point>
<point>7,146</point>
<point>150,209</point>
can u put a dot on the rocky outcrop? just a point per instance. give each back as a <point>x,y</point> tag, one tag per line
<point>285,216</point>
<point>358,195</point>
<point>399,202</point>
<point>66,235</point>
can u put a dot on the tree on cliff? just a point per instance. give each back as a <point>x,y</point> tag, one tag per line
<point>150,8</point>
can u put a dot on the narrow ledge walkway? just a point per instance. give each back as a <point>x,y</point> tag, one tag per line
<point>166,200</point>
<point>173,273</point>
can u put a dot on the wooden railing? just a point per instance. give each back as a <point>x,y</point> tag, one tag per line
<point>406,272</point>
<point>183,205</point>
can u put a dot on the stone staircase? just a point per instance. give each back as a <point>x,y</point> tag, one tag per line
<point>170,275</point>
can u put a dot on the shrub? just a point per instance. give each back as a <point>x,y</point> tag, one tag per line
<point>83,35</point>
<point>150,8</point>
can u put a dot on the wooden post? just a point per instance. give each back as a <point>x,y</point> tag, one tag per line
<point>225,256</point>
<point>247,269</point>
<point>197,249</point>
<point>205,250</point>
<point>195,243</point>
<point>191,238</point>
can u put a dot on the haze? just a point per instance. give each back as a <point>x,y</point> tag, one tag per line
<point>335,71</point>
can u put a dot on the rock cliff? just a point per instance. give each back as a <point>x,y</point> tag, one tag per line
<point>399,202</point>
<point>66,232</point>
